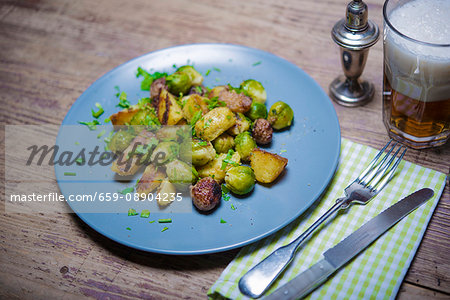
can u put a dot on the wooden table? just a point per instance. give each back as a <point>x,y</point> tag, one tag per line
<point>51,51</point>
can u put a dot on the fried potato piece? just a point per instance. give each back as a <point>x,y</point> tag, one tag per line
<point>150,180</point>
<point>214,123</point>
<point>267,166</point>
<point>125,165</point>
<point>123,117</point>
<point>192,104</point>
<point>214,169</point>
<point>167,109</point>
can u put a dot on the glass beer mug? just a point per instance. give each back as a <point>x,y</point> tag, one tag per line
<point>416,83</point>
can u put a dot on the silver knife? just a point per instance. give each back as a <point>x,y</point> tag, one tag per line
<point>339,255</point>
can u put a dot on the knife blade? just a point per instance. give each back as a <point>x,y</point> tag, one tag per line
<point>351,246</point>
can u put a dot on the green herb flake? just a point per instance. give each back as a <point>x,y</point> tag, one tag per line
<point>118,90</point>
<point>283,150</point>
<point>164,229</point>
<point>79,161</point>
<point>148,78</point>
<point>127,190</point>
<point>222,221</point>
<point>196,117</point>
<point>164,220</point>
<point>233,207</point>
<point>145,213</point>
<point>256,63</point>
<point>203,143</point>
<point>123,102</point>
<point>99,112</point>
<point>153,221</point>
<point>132,212</point>
<point>107,120</point>
<point>77,143</point>
<point>207,72</point>
<point>228,117</point>
<point>91,125</point>
<point>128,228</point>
<point>216,69</point>
<point>102,133</point>
<point>70,174</point>
<point>199,89</point>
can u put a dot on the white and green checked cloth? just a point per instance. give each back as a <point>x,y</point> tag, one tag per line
<point>378,271</point>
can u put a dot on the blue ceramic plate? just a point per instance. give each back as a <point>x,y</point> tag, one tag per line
<point>312,145</point>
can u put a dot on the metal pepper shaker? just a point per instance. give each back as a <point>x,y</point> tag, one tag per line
<point>354,35</point>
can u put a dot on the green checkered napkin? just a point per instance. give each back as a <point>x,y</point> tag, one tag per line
<point>378,271</point>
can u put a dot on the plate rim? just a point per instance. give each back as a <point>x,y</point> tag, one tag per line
<point>273,230</point>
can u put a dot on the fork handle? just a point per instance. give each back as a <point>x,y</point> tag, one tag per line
<point>256,281</point>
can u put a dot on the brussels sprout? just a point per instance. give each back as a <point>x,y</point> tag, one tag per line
<point>144,117</point>
<point>255,90</point>
<point>240,180</point>
<point>202,152</point>
<point>164,152</point>
<point>244,145</point>
<point>223,143</point>
<point>178,83</point>
<point>280,115</point>
<point>180,173</point>
<point>242,124</point>
<point>194,76</point>
<point>120,140</point>
<point>257,111</point>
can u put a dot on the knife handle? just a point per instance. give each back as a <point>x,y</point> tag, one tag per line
<point>304,283</point>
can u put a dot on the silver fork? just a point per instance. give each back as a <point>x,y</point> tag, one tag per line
<point>371,181</point>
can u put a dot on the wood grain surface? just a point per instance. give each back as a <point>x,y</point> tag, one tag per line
<point>51,51</point>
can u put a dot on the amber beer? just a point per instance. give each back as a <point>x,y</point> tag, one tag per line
<point>416,83</point>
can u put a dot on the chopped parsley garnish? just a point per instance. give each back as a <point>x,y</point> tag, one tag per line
<point>118,90</point>
<point>143,102</point>
<point>228,117</point>
<point>102,133</point>
<point>127,190</point>
<point>79,161</point>
<point>148,78</point>
<point>91,125</point>
<point>214,102</point>
<point>207,72</point>
<point>145,213</point>
<point>123,102</point>
<point>227,159</point>
<point>194,171</point>
<point>99,112</point>
<point>164,229</point>
<point>196,117</point>
<point>216,69</point>
<point>232,88</point>
<point>107,120</point>
<point>77,143</point>
<point>233,207</point>
<point>203,143</point>
<point>132,212</point>
<point>222,221</point>
<point>70,174</point>
<point>164,220</point>
<point>199,89</point>
<point>153,221</point>
<point>128,228</point>
<point>256,63</point>
<point>283,150</point>
<point>207,123</point>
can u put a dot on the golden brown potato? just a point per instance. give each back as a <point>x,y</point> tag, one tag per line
<point>167,192</point>
<point>167,109</point>
<point>150,180</point>
<point>242,124</point>
<point>128,164</point>
<point>214,169</point>
<point>267,166</point>
<point>206,194</point>
<point>215,91</point>
<point>214,123</point>
<point>123,117</point>
<point>192,104</point>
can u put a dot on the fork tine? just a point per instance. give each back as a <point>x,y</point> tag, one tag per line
<point>384,170</point>
<point>376,170</point>
<point>372,163</point>
<point>390,174</point>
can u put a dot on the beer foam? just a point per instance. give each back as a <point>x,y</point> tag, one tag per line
<point>423,20</point>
